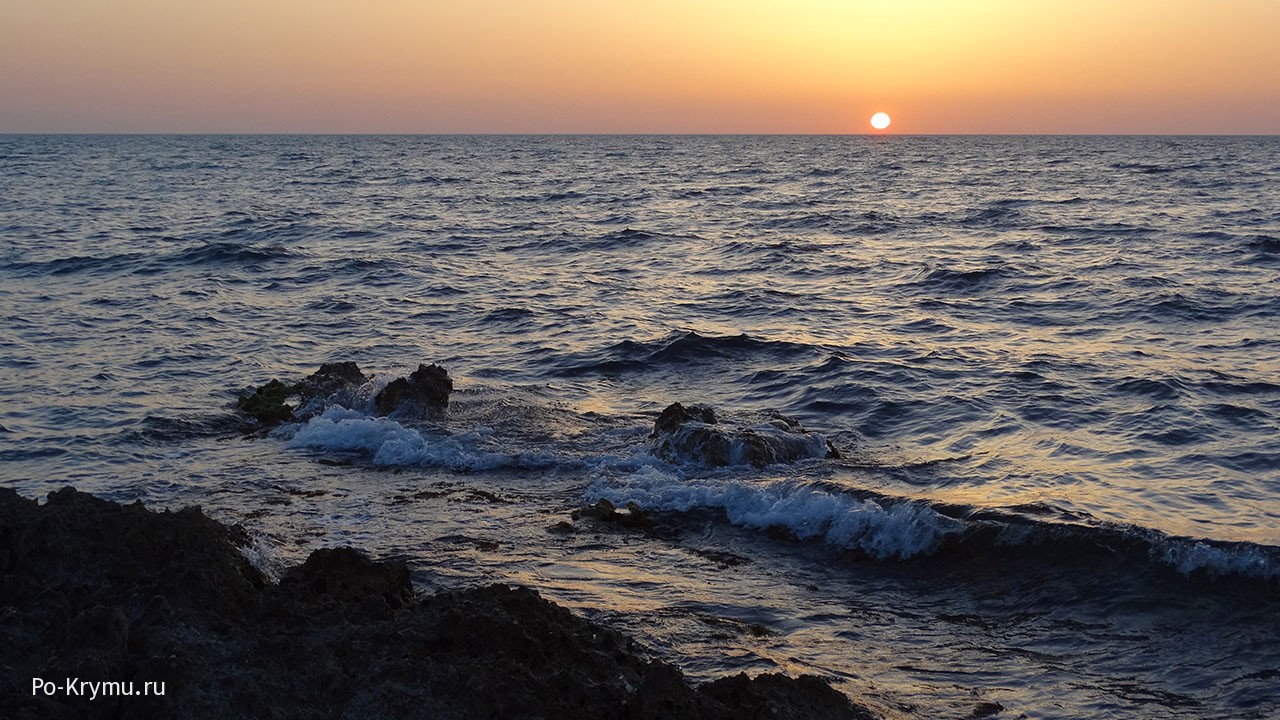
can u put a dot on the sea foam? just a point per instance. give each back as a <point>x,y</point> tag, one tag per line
<point>899,530</point>
<point>390,443</point>
<point>1188,556</point>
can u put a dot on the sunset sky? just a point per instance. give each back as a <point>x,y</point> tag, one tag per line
<point>666,66</point>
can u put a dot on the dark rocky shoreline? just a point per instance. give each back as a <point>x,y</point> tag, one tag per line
<point>101,592</point>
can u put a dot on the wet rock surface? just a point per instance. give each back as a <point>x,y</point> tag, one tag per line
<point>98,591</point>
<point>270,404</point>
<point>630,516</point>
<point>694,433</point>
<point>425,392</point>
<point>426,389</point>
<point>331,378</point>
<point>675,415</point>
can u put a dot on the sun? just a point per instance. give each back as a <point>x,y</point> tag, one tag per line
<point>880,121</point>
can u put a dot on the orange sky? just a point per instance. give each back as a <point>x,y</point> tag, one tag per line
<point>788,66</point>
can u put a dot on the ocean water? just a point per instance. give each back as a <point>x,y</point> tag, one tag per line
<point>1052,365</point>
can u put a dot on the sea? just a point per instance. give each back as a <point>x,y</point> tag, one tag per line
<point>1051,366</point>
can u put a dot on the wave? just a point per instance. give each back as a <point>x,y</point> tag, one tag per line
<point>1146,168</point>
<point>627,238</point>
<point>1175,307</point>
<point>961,280</point>
<point>807,221</point>
<point>1264,244</point>
<point>388,443</point>
<point>204,254</point>
<point>890,528</point>
<point>901,530</point>
<point>508,315</point>
<point>1157,389</point>
<point>997,214</point>
<point>536,239</point>
<point>681,349</point>
<point>164,430</point>
<point>226,253</point>
<point>76,264</point>
<point>1265,250</point>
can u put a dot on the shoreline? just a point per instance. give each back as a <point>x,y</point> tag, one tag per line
<point>102,599</point>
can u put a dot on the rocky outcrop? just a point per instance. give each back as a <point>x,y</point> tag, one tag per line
<point>676,415</point>
<point>694,434</point>
<point>100,592</point>
<point>269,404</point>
<point>346,575</point>
<point>331,379</point>
<point>424,392</point>
<point>427,390</point>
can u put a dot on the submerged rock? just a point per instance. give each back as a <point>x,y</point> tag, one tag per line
<point>602,510</point>
<point>694,434</point>
<point>427,389</point>
<point>105,592</point>
<point>986,710</point>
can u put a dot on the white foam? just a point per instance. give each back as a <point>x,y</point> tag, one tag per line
<point>264,556</point>
<point>390,443</point>
<point>901,530</point>
<point>1189,556</point>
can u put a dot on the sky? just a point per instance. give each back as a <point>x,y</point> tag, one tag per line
<point>656,66</point>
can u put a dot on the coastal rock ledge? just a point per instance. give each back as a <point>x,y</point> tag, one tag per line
<point>98,591</point>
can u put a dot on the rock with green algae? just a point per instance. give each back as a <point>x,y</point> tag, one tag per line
<point>267,403</point>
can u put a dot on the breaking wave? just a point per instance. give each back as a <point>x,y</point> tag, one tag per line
<point>888,528</point>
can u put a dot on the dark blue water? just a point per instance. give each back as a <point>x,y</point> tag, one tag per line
<point>1051,364</point>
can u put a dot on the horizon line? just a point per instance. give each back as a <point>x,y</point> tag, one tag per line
<point>286,133</point>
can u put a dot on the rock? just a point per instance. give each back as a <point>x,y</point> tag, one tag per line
<point>267,403</point>
<point>100,628</point>
<point>599,510</point>
<point>331,378</point>
<point>986,709</point>
<point>721,558</point>
<point>776,696</point>
<point>631,516</point>
<point>428,389</point>
<point>676,415</point>
<point>709,446</point>
<point>102,591</point>
<point>345,574</point>
<point>693,434</point>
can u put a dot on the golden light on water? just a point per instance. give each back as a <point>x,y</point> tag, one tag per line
<point>880,121</point>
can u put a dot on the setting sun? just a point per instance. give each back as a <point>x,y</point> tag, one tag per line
<point>880,121</point>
